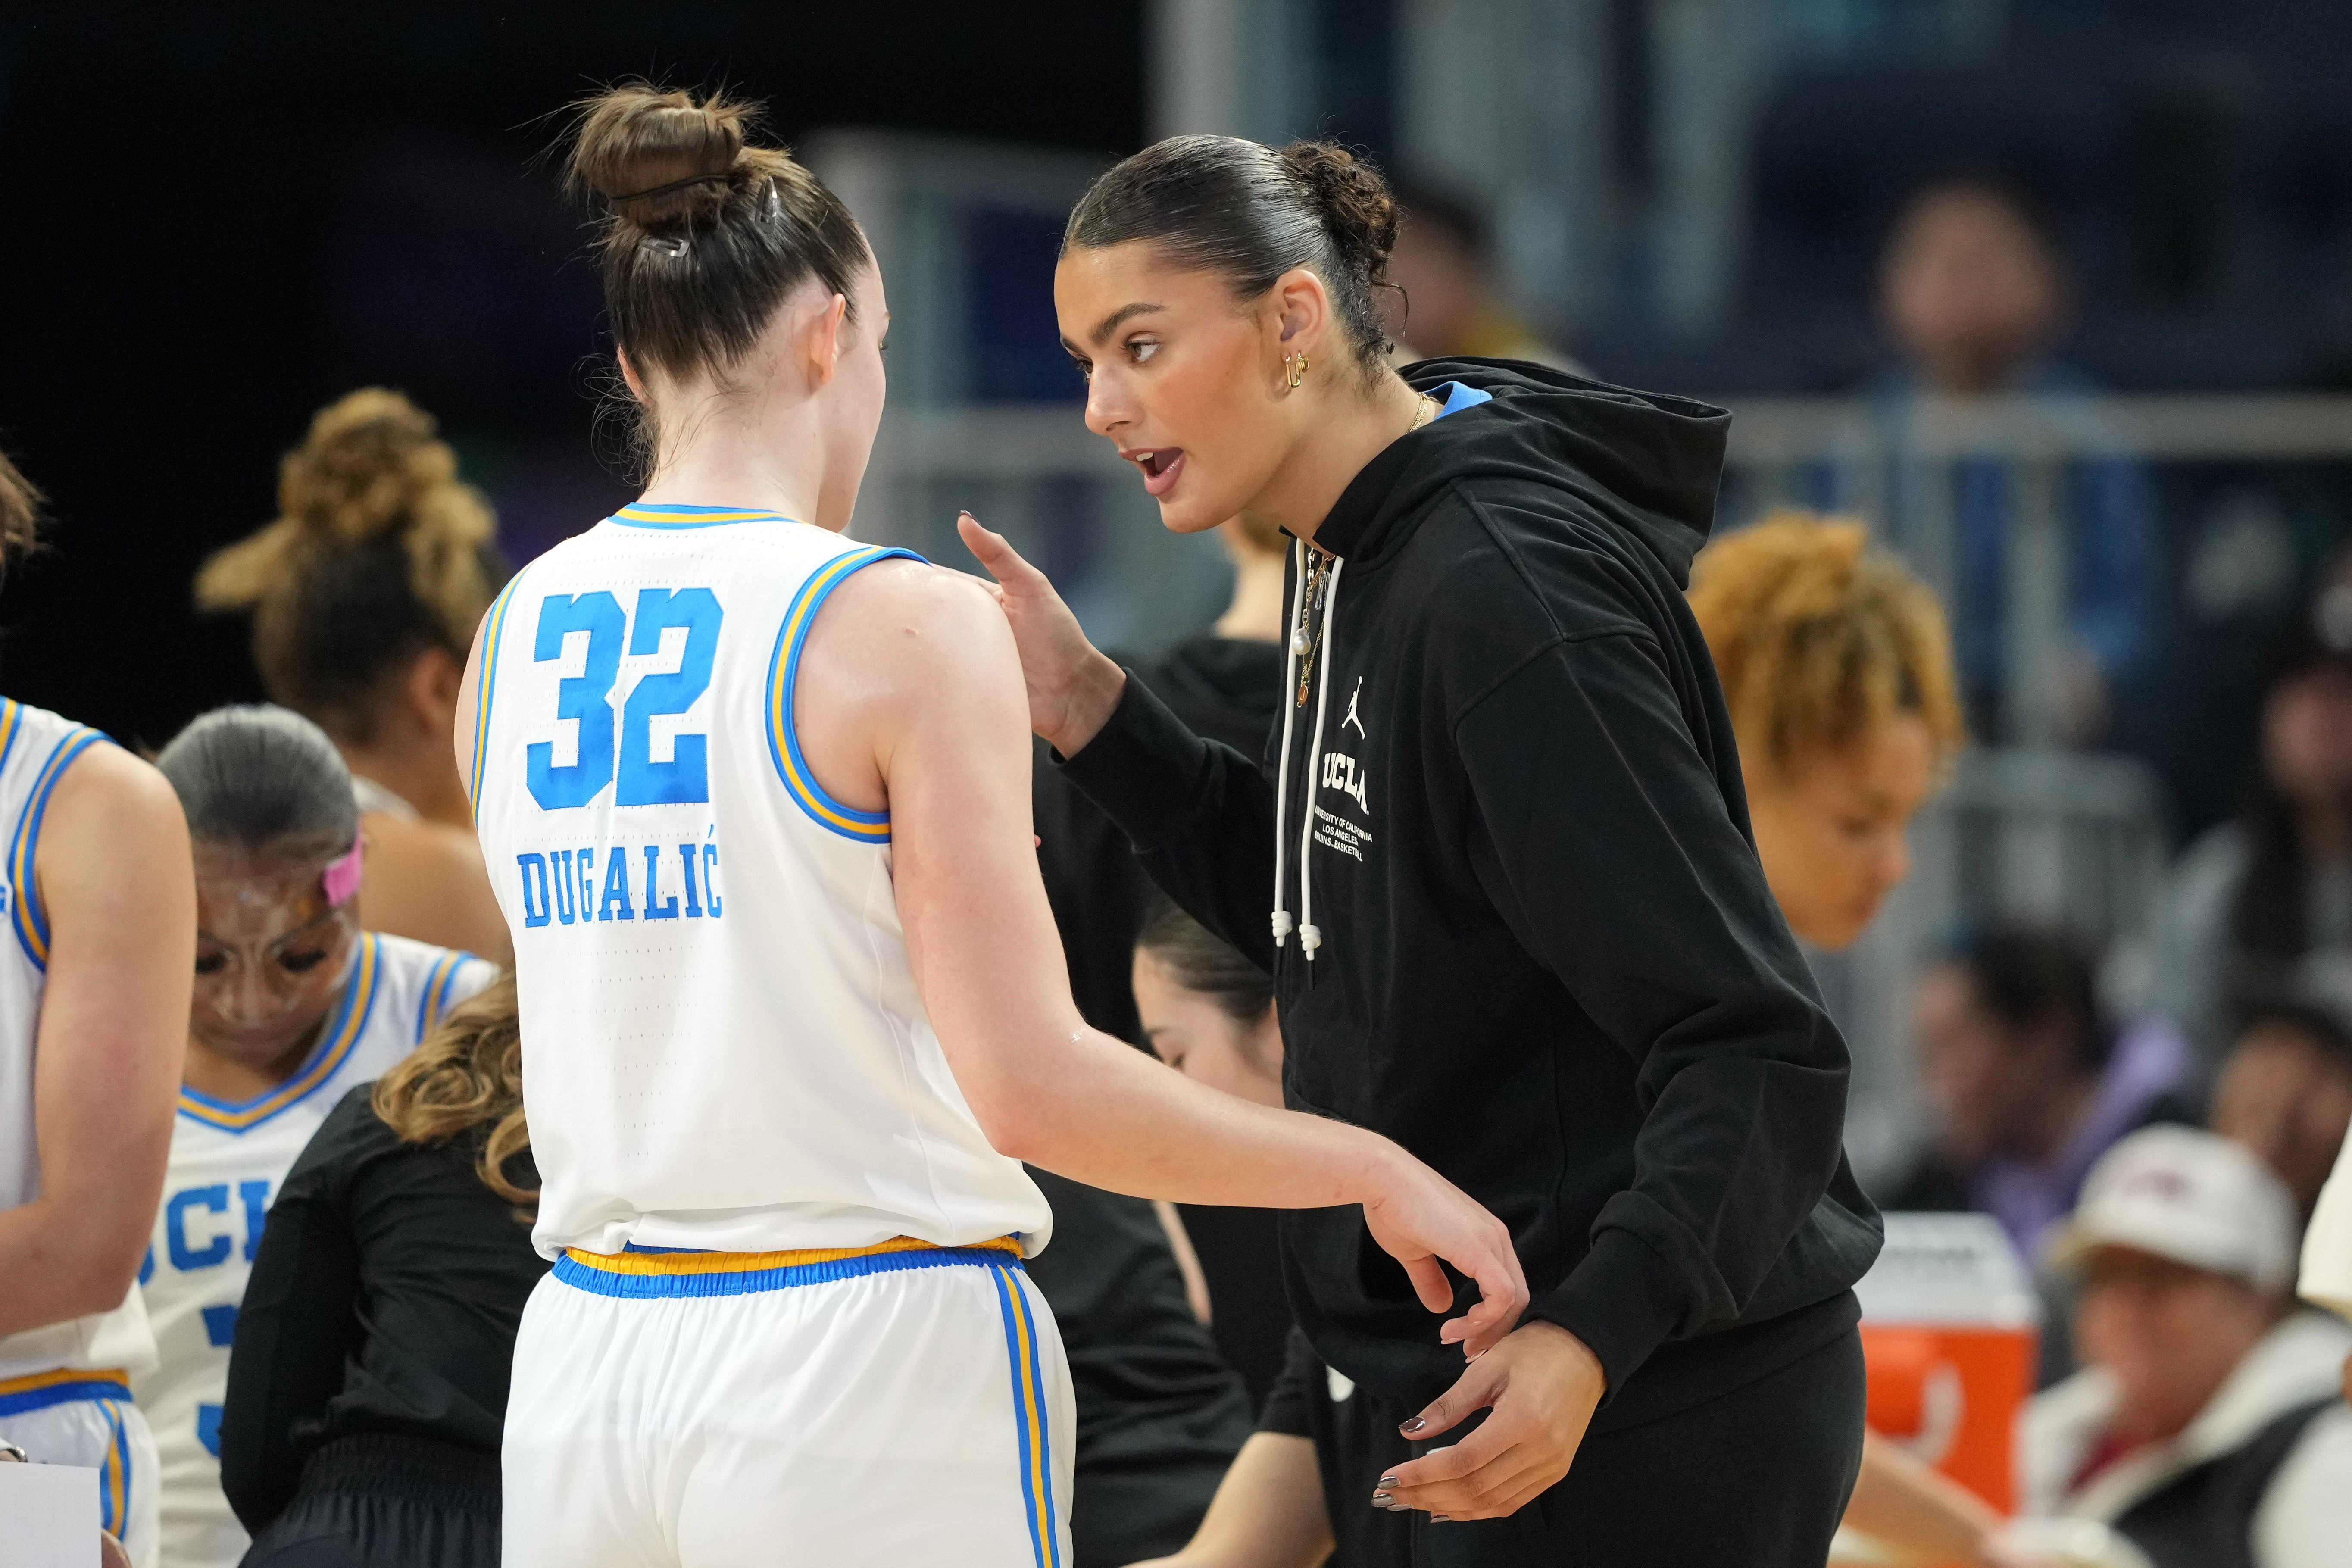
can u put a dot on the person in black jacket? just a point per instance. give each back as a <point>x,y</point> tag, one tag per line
<point>367,1389</point>
<point>1518,922</point>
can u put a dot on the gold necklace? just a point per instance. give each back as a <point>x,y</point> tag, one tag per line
<point>1316,570</point>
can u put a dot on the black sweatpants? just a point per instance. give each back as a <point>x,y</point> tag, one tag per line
<point>387,1501</point>
<point>1756,1478</point>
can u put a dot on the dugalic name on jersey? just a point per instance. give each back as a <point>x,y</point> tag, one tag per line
<point>621,882</point>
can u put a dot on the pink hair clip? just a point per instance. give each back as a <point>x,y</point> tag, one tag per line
<point>341,877</point>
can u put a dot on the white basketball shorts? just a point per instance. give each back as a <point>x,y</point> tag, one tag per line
<point>898,1405</point>
<point>87,1418</point>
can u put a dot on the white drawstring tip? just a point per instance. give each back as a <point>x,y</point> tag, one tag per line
<point>1310,937</point>
<point>1281,926</point>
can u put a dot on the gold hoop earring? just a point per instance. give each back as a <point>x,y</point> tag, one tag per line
<point>1297,364</point>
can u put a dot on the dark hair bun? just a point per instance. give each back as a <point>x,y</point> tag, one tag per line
<point>660,159</point>
<point>1354,201</point>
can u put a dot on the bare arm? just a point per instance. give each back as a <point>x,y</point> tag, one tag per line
<point>113,872</point>
<point>910,695</point>
<point>1923,1515</point>
<point>427,880</point>
<point>1268,1511</point>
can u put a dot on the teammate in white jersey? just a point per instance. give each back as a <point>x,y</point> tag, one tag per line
<point>100,910</point>
<point>756,804</point>
<point>294,1004</point>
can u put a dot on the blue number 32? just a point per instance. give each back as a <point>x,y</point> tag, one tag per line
<point>586,698</point>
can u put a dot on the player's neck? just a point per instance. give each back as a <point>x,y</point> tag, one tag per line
<point>225,1076</point>
<point>764,456</point>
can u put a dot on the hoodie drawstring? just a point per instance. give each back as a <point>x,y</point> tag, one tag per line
<point>1310,935</point>
<point>1293,648</point>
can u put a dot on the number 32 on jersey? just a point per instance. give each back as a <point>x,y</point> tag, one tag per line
<point>625,761</point>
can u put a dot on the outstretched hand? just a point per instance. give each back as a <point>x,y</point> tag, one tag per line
<point>1072,687</point>
<point>1542,1384</point>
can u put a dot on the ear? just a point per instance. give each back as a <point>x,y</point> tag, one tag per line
<point>430,690</point>
<point>1302,311</point>
<point>629,373</point>
<point>824,339</point>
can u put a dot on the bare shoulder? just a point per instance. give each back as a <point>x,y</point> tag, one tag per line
<point>907,620</point>
<point>111,790</point>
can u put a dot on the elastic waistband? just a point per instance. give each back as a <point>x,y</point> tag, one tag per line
<point>398,1464</point>
<point>42,1389</point>
<point>654,1271</point>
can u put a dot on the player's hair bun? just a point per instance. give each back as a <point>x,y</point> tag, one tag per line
<point>660,160</point>
<point>1354,201</point>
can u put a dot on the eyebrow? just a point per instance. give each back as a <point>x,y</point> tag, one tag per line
<point>1113,322</point>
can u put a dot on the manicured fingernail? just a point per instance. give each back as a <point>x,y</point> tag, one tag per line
<point>1415,1425</point>
<point>1381,1499</point>
<point>1385,1482</point>
<point>1440,1519</point>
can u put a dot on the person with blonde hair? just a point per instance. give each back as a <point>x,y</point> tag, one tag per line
<point>365,593</point>
<point>1837,666</point>
<point>367,1394</point>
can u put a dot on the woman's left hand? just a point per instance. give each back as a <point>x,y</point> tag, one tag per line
<point>1543,1384</point>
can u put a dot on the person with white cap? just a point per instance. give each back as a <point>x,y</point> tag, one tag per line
<point>2206,1426</point>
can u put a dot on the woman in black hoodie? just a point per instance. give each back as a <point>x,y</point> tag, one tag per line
<point>1518,920</point>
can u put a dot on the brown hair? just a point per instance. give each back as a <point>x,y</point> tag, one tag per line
<point>20,511</point>
<point>1199,961</point>
<point>1818,638</point>
<point>704,234</point>
<point>466,1073</point>
<point>1250,213</point>
<point>379,552</point>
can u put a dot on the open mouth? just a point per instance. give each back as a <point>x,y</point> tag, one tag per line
<point>1160,466</point>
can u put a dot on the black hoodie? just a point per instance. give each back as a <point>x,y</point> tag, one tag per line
<point>1548,963</point>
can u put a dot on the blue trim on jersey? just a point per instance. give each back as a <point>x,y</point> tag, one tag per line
<point>494,626</point>
<point>783,677</point>
<point>433,997</point>
<point>97,1386</point>
<point>679,514</point>
<point>1033,1449</point>
<point>336,1043</point>
<point>30,920</point>
<point>1453,398</point>
<point>114,1477</point>
<point>12,724</point>
<point>754,1282</point>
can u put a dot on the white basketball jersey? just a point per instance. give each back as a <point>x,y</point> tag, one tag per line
<point>36,749</point>
<point>723,1045</point>
<point>228,1160</point>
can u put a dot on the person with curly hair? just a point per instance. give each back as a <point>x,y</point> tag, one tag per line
<point>364,595</point>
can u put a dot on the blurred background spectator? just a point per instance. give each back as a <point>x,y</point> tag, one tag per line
<point>2031,1081</point>
<point>1446,304</point>
<point>2207,1426</point>
<point>1973,297</point>
<point>2263,902</point>
<point>2285,1093</point>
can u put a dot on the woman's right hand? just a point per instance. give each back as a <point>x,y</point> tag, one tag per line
<point>1072,687</point>
<point>1420,1218</point>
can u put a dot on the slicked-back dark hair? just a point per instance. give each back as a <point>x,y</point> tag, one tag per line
<point>262,779</point>
<point>1250,213</point>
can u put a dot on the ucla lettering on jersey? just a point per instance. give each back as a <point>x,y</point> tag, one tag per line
<point>36,749</point>
<point>723,1045</point>
<point>228,1160</point>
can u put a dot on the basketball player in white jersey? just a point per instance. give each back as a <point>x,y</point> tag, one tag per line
<point>294,1004</point>
<point>100,905</point>
<point>756,802</point>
